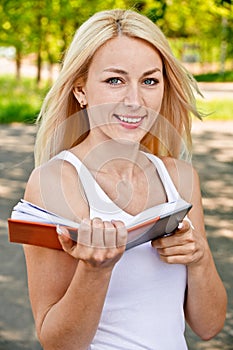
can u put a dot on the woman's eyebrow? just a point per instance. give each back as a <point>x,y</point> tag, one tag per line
<point>151,71</point>
<point>116,70</point>
<point>123,72</point>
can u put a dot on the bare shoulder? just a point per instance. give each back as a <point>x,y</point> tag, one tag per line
<point>184,176</point>
<point>56,186</point>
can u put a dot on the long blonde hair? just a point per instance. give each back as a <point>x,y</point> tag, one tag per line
<point>61,128</point>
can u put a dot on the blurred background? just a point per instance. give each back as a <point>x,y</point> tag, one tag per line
<point>34,35</point>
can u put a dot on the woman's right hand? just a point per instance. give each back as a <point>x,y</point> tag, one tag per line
<point>100,244</point>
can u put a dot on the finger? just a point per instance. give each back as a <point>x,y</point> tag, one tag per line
<point>64,238</point>
<point>122,233</point>
<point>187,249</point>
<point>175,259</point>
<point>180,237</point>
<point>183,227</point>
<point>164,242</point>
<point>189,221</point>
<point>110,235</point>
<point>85,233</point>
<point>97,233</point>
<point>185,259</point>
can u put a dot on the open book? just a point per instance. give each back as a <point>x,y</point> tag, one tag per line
<point>30,224</point>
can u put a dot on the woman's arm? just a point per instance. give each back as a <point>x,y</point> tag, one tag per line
<point>68,288</point>
<point>206,296</point>
<point>206,299</point>
<point>67,300</point>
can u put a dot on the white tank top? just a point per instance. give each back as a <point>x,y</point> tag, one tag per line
<point>143,309</point>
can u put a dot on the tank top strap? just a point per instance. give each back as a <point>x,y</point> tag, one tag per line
<point>171,191</point>
<point>99,202</point>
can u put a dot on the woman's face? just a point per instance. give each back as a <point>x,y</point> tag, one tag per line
<point>124,88</point>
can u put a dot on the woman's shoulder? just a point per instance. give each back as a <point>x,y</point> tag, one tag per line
<point>47,173</point>
<point>183,175</point>
<point>174,165</point>
<point>56,186</point>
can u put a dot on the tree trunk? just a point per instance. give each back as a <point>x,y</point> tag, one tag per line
<point>223,47</point>
<point>18,62</point>
<point>39,64</point>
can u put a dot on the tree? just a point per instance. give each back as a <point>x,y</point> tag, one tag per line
<point>206,25</point>
<point>14,29</point>
<point>45,27</point>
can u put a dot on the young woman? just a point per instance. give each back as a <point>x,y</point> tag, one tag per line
<point>113,128</point>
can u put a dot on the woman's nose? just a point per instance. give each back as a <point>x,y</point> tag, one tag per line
<point>133,97</point>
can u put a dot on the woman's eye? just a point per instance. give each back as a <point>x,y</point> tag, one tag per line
<point>114,81</point>
<point>150,81</point>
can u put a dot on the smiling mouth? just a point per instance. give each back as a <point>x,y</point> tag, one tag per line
<point>129,120</point>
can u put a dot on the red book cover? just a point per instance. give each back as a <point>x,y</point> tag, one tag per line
<point>146,229</point>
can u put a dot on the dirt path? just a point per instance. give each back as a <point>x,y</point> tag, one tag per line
<point>213,157</point>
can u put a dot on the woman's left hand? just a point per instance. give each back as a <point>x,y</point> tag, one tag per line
<point>185,246</point>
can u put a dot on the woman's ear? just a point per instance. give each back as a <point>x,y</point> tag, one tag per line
<point>80,95</point>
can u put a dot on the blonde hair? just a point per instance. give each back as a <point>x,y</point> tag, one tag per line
<point>61,128</point>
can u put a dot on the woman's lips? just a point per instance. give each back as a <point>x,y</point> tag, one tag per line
<point>129,122</point>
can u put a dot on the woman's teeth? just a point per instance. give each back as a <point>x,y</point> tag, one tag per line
<point>129,120</point>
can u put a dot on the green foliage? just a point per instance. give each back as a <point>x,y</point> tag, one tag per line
<point>20,101</point>
<point>202,29</point>
<point>156,11</point>
<point>217,109</point>
<point>215,77</point>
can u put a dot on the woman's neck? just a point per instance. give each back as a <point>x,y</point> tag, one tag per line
<point>115,157</point>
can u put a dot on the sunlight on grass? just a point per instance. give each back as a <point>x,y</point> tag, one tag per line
<point>20,101</point>
<point>227,76</point>
<point>216,109</point>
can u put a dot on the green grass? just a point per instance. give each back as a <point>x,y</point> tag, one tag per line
<point>215,77</point>
<point>20,101</point>
<point>216,109</point>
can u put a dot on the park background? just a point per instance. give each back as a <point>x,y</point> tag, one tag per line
<point>34,36</point>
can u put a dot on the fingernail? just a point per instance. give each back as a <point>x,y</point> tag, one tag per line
<point>189,221</point>
<point>59,230</point>
<point>180,226</point>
